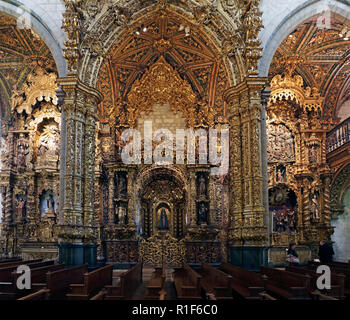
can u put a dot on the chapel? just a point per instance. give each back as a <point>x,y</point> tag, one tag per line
<point>174,133</point>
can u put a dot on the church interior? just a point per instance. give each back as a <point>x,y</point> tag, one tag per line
<point>77,78</point>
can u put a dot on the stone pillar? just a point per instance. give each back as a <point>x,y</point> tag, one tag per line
<point>78,233</point>
<point>268,219</point>
<point>248,232</point>
<point>236,187</point>
<point>111,196</point>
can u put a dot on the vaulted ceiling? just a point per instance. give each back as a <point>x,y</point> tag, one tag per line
<point>188,51</point>
<point>325,63</point>
<point>20,51</point>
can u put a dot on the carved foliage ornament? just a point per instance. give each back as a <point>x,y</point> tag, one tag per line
<point>42,87</point>
<point>237,32</point>
<point>161,84</point>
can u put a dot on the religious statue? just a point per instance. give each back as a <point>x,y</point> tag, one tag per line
<point>163,220</point>
<point>49,141</point>
<point>202,188</point>
<point>203,214</point>
<point>313,157</point>
<point>22,151</point>
<point>21,207</point>
<point>314,207</point>
<point>281,174</point>
<point>50,205</point>
<point>121,214</point>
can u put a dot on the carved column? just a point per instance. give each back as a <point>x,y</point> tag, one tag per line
<point>247,210</point>
<point>236,190</point>
<point>111,196</point>
<point>77,223</point>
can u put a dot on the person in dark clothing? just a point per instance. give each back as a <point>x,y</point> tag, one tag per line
<point>291,250</point>
<point>293,257</point>
<point>325,252</point>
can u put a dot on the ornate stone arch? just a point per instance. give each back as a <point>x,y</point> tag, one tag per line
<point>339,185</point>
<point>232,27</point>
<point>303,12</point>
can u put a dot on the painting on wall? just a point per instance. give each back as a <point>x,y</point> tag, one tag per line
<point>283,210</point>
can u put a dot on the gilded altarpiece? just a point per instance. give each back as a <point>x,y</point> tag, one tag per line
<point>299,176</point>
<point>30,158</point>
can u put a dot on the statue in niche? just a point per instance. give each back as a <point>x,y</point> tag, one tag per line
<point>313,154</point>
<point>163,220</point>
<point>122,189</point>
<point>22,151</point>
<point>21,207</point>
<point>314,206</point>
<point>49,141</point>
<point>203,214</point>
<point>121,214</point>
<point>202,186</point>
<point>281,174</point>
<point>50,204</point>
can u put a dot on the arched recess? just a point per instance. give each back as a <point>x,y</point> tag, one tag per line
<point>302,13</point>
<point>109,35</point>
<point>339,186</point>
<point>148,202</point>
<point>28,17</point>
<point>130,76</point>
<point>340,205</point>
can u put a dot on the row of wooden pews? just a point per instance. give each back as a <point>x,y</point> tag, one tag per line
<point>337,281</point>
<point>340,268</point>
<point>230,281</point>
<point>245,284</point>
<point>57,284</point>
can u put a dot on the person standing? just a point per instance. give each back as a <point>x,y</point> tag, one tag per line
<point>292,255</point>
<point>325,252</point>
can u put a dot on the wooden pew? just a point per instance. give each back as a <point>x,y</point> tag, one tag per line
<point>156,283</point>
<point>93,282</point>
<point>36,296</point>
<point>38,279</point>
<point>215,281</point>
<point>129,281</point>
<point>312,265</point>
<point>100,296</point>
<point>6,272</point>
<point>5,261</point>
<point>287,285</point>
<point>187,283</point>
<point>245,284</point>
<point>335,264</point>
<point>337,281</point>
<point>58,282</point>
<point>18,263</point>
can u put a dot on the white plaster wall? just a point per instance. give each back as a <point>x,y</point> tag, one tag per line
<point>341,236</point>
<point>344,111</point>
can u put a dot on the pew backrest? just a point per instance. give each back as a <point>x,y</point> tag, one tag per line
<point>59,281</point>
<point>98,278</point>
